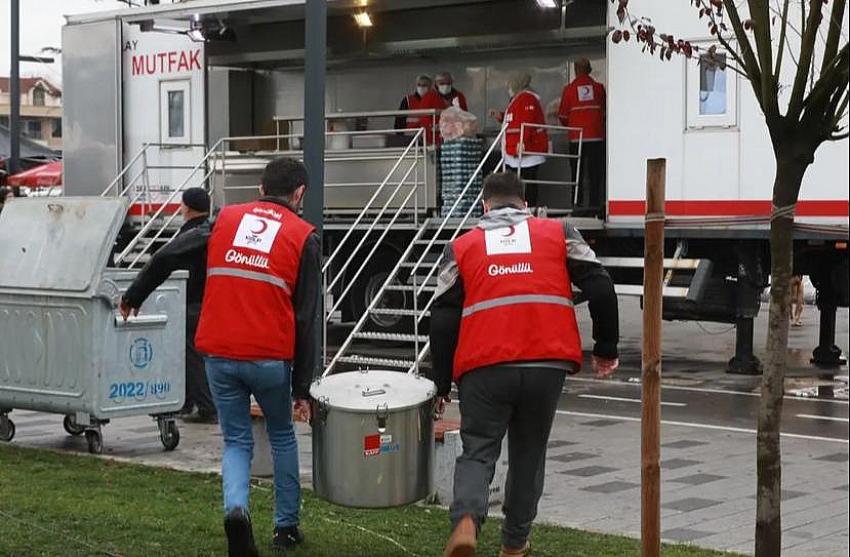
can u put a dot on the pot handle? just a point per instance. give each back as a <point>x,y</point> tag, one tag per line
<point>375,392</point>
<point>382,412</point>
<point>320,412</point>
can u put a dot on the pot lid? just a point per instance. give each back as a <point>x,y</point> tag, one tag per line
<point>367,390</point>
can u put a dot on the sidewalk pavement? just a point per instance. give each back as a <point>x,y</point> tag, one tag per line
<point>592,480</point>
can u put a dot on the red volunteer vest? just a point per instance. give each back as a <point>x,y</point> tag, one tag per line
<point>583,106</point>
<point>518,302</point>
<point>253,257</point>
<point>525,108</point>
<point>414,102</point>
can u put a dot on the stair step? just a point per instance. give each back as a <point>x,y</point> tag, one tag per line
<point>411,288</point>
<point>402,337</point>
<point>425,265</point>
<point>357,359</point>
<point>399,312</point>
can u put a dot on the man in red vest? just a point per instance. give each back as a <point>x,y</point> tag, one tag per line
<point>413,101</point>
<point>583,107</point>
<point>256,329</point>
<point>503,327</point>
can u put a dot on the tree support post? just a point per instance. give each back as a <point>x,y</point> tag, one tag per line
<point>653,282</point>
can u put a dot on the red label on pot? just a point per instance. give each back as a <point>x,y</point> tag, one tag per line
<point>372,445</point>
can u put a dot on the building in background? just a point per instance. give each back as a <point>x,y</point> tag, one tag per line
<point>41,110</point>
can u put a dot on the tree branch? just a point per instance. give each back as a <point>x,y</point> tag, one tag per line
<point>835,22</point>
<point>751,65</point>
<point>807,51</point>
<point>760,14</point>
<point>781,52</point>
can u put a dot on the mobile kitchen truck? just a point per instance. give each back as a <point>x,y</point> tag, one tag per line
<point>205,92</point>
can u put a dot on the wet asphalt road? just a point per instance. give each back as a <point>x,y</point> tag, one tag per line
<point>696,388</point>
<point>705,407</point>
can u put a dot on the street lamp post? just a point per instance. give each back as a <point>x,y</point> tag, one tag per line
<point>15,93</point>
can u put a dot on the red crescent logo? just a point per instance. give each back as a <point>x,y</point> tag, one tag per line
<point>511,230</point>
<point>263,226</point>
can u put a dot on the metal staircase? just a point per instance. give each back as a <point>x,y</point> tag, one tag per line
<point>413,282</point>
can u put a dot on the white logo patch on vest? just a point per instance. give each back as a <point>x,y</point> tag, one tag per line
<point>509,239</point>
<point>256,233</point>
<point>585,93</point>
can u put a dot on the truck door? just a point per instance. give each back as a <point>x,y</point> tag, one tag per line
<point>163,92</point>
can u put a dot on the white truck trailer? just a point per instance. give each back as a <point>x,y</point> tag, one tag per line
<point>205,92</point>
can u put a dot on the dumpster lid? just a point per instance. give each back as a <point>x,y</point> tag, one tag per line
<point>58,243</point>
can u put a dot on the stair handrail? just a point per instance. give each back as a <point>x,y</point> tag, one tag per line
<point>144,230</point>
<point>353,280</point>
<point>575,180</point>
<point>404,257</point>
<point>124,171</point>
<point>478,170</point>
<point>419,134</point>
<point>390,278</point>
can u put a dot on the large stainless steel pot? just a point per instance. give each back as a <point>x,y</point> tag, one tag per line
<point>373,438</point>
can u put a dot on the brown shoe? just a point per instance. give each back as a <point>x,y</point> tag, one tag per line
<point>521,552</point>
<point>463,540</point>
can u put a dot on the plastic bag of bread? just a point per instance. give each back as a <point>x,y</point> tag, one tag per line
<point>456,123</point>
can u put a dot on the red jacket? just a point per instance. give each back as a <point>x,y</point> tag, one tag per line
<point>518,301</point>
<point>433,100</point>
<point>525,108</point>
<point>583,106</point>
<point>253,257</point>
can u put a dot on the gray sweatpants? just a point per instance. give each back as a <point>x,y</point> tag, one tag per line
<point>522,401</point>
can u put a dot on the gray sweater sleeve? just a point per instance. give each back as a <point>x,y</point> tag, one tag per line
<point>596,286</point>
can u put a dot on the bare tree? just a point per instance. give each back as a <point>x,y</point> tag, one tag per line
<point>795,56</point>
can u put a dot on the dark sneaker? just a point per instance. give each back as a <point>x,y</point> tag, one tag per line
<point>240,535</point>
<point>286,537</point>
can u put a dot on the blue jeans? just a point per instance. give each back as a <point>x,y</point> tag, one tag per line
<point>232,383</point>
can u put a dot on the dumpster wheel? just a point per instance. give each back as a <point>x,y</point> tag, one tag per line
<point>169,434</point>
<point>71,426</point>
<point>7,428</point>
<point>94,438</point>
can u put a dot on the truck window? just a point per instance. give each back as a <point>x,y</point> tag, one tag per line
<point>175,112</point>
<point>711,93</point>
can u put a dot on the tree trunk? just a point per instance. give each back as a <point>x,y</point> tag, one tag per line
<point>789,176</point>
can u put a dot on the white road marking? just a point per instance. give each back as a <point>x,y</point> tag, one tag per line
<point>615,383</point>
<point>702,426</point>
<point>624,399</point>
<point>828,418</point>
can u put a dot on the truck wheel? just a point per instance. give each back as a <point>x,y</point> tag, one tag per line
<point>71,426</point>
<point>94,438</point>
<point>7,429</point>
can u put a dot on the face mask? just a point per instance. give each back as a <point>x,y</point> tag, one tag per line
<point>421,91</point>
<point>511,93</point>
<point>444,89</point>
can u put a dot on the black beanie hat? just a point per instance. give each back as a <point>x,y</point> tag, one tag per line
<point>197,199</point>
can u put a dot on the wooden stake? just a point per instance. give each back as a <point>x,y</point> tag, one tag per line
<point>653,282</point>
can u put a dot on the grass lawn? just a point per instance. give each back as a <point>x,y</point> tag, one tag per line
<point>65,505</point>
